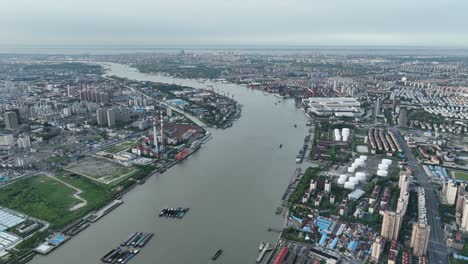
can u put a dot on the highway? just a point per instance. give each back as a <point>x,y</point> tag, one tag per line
<point>437,250</point>
<point>192,118</point>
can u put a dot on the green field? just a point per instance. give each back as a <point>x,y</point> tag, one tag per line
<point>102,170</point>
<point>460,175</point>
<point>121,146</point>
<point>48,199</point>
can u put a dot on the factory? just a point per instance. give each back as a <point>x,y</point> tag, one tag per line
<point>333,106</point>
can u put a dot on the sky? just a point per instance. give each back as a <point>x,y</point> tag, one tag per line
<point>429,23</point>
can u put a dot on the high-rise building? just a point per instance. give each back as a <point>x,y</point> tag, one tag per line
<point>7,140</point>
<point>111,117</point>
<point>464,221</point>
<point>391,225</point>
<point>101,115</point>
<point>402,119</point>
<point>377,108</point>
<point>376,249</point>
<point>420,238</point>
<point>451,192</point>
<point>327,186</point>
<point>69,91</point>
<point>11,120</point>
<point>124,115</point>
<point>24,142</point>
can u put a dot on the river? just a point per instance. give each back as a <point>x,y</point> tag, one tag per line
<point>232,185</point>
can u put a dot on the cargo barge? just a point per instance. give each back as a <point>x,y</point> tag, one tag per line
<point>174,212</point>
<point>128,248</point>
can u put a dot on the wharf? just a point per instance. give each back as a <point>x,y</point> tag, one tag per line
<point>262,253</point>
<point>105,210</point>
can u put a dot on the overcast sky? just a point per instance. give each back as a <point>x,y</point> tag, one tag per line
<point>234,22</point>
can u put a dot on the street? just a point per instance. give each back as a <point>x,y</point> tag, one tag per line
<point>437,250</point>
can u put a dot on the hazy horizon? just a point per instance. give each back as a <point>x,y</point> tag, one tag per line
<point>428,23</point>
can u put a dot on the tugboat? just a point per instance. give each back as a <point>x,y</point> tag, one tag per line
<point>281,145</point>
<point>217,254</point>
<point>262,245</point>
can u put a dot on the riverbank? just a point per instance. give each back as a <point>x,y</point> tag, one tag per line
<point>236,181</point>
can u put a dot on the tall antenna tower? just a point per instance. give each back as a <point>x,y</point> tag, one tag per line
<point>155,136</point>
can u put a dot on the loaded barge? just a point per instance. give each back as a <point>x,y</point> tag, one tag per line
<point>128,248</point>
<point>174,212</point>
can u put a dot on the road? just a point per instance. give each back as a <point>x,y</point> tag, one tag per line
<point>437,250</point>
<point>76,195</point>
<point>192,118</point>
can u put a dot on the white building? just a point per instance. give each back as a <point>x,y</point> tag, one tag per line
<point>338,106</point>
<point>24,142</point>
<point>7,140</point>
<point>451,192</point>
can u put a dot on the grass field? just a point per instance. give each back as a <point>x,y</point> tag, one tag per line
<point>460,175</point>
<point>121,147</point>
<point>39,196</point>
<point>50,200</point>
<point>101,170</point>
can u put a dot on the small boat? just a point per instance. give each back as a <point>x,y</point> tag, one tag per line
<point>217,254</point>
<point>262,245</point>
<point>281,145</point>
<point>295,125</point>
<point>278,210</point>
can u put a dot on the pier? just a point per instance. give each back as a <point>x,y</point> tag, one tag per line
<point>265,249</point>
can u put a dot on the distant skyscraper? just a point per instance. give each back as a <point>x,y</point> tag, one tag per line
<point>24,142</point>
<point>155,137</point>
<point>11,120</point>
<point>111,117</point>
<point>377,108</point>
<point>420,238</point>
<point>402,119</point>
<point>69,91</point>
<point>391,225</point>
<point>101,115</point>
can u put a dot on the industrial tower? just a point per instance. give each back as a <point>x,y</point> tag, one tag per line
<point>155,136</point>
<point>162,132</point>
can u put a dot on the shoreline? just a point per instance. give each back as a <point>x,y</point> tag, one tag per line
<point>118,199</point>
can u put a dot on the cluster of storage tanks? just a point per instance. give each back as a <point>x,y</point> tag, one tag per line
<point>351,182</point>
<point>382,169</point>
<point>358,163</point>
<point>343,135</point>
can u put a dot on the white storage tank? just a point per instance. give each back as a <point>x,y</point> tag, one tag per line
<point>383,167</point>
<point>361,176</point>
<point>351,169</point>
<point>337,135</point>
<point>345,131</point>
<point>382,173</point>
<point>363,157</point>
<point>360,163</point>
<point>349,185</point>
<point>353,180</point>
<point>387,161</point>
<point>343,176</point>
<point>341,181</point>
<point>345,134</point>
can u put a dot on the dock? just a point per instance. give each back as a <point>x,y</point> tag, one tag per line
<point>105,210</point>
<point>265,249</point>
